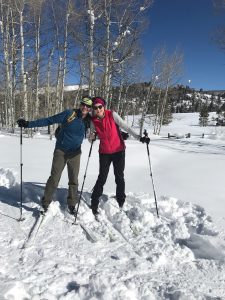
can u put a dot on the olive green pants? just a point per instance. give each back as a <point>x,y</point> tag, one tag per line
<point>60,159</point>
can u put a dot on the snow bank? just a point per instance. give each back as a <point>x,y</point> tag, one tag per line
<point>16,292</point>
<point>172,236</point>
<point>7,178</point>
<point>136,255</point>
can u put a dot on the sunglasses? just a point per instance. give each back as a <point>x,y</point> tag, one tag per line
<point>98,107</point>
<point>88,106</point>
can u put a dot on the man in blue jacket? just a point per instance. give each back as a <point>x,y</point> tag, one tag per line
<point>74,123</point>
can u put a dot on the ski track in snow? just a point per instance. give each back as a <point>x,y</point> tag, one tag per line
<point>180,255</point>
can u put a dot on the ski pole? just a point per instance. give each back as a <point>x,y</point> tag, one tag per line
<point>150,166</point>
<point>21,175</point>
<point>85,173</point>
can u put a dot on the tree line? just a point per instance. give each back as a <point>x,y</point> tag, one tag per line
<point>44,43</point>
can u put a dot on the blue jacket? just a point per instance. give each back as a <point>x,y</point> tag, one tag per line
<point>71,135</point>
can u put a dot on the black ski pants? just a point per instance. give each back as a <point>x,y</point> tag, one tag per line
<point>105,160</point>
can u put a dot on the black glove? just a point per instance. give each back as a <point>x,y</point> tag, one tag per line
<point>145,139</point>
<point>22,123</point>
<point>125,135</point>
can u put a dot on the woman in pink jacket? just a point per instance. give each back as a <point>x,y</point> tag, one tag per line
<point>106,124</point>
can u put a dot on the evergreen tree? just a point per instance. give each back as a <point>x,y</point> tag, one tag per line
<point>203,115</point>
<point>220,117</point>
<point>211,105</point>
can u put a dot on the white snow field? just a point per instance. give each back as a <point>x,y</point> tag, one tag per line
<point>127,255</point>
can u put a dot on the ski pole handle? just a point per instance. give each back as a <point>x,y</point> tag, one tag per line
<point>93,136</point>
<point>145,133</point>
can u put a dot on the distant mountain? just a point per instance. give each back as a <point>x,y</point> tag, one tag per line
<point>215,92</point>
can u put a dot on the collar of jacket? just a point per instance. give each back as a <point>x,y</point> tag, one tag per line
<point>79,113</point>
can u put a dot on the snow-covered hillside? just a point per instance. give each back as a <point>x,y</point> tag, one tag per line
<point>130,254</point>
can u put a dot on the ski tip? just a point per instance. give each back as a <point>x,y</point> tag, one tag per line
<point>21,219</point>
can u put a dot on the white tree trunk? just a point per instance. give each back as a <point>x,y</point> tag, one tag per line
<point>163,106</point>
<point>119,104</point>
<point>22,62</point>
<point>107,78</point>
<point>13,66</point>
<point>156,121</point>
<point>5,40</point>
<point>64,60</point>
<point>48,106</point>
<point>91,49</point>
<point>37,50</point>
<point>57,102</point>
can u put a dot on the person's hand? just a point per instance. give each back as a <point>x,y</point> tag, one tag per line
<point>22,123</point>
<point>92,136</point>
<point>125,135</point>
<point>145,139</point>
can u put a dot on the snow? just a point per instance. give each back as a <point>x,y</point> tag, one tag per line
<point>67,88</point>
<point>75,87</point>
<point>180,255</point>
<point>7,178</point>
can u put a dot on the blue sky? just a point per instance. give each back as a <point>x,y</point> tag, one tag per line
<point>188,24</point>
